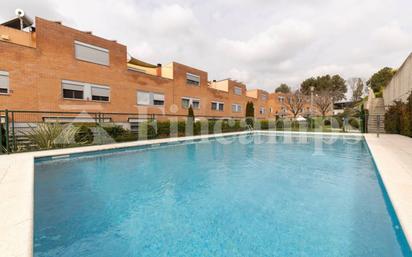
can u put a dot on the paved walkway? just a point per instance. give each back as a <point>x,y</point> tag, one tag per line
<point>393,157</point>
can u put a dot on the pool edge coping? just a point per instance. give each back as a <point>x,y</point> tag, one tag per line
<point>25,161</point>
<point>394,177</point>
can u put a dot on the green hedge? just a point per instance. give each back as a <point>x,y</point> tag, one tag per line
<point>398,118</point>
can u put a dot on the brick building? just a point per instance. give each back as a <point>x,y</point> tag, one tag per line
<point>51,67</point>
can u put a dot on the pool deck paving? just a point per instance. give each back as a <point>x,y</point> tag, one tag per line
<point>392,154</point>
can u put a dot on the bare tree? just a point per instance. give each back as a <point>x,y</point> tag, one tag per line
<point>295,102</point>
<point>357,87</point>
<point>323,101</point>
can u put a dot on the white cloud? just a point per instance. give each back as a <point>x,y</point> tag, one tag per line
<point>262,43</point>
<point>391,37</point>
<point>275,44</point>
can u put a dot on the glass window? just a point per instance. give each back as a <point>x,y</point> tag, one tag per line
<point>264,97</point>
<point>158,99</point>
<point>143,98</point>
<point>72,90</point>
<point>192,79</point>
<point>237,90</point>
<point>262,110</point>
<point>236,108</point>
<point>4,82</point>
<point>149,98</point>
<point>195,104</point>
<point>100,94</point>
<point>91,53</point>
<point>217,106</point>
<point>185,102</point>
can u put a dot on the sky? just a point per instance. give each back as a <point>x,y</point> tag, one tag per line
<point>260,42</point>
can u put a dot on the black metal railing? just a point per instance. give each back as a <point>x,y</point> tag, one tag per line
<point>23,130</point>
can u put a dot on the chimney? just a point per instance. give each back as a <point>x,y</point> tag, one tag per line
<point>159,70</point>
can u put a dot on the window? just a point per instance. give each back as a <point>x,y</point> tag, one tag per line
<point>4,82</point>
<point>100,94</point>
<point>158,99</point>
<point>149,98</point>
<point>237,90</point>
<point>85,91</point>
<point>236,108</point>
<point>192,79</point>
<point>281,99</point>
<point>270,110</point>
<point>264,97</point>
<point>91,53</point>
<point>217,106</point>
<point>72,90</point>
<point>262,110</point>
<point>187,101</point>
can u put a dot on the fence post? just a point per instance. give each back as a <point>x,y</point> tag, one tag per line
<point>1,134</point>
<point>13,133</point>
<point>6,121</point>
<point>378,124</point>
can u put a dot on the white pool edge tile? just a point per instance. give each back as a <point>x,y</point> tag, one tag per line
<point>395,175</point>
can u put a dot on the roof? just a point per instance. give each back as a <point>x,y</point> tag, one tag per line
<point>141,63</point>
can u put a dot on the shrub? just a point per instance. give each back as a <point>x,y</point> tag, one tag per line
<point>115,131</point>
<point>398,118</point>
<point>354,122</point>
<point>51,135</point>
<point>393,118</point>
<point>147,130</point>
<point>84,135</point>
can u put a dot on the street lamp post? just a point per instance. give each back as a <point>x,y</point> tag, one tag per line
<point>312,88</point>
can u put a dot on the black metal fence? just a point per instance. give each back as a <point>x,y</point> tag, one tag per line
<point>22,131</point>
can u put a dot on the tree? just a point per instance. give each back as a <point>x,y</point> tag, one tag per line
<point>283,88</point>
<point>295,102</point>
<point>190,121</point>
<point>190,113</point>
<point>380,79</point>
<point>323,101</point>
<point>250,113</point>
<point>334,86</point>
<point>357,87</point>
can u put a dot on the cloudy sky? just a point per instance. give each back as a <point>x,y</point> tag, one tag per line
<point>260,42</point>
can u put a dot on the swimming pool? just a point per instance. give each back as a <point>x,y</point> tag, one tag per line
<point>243,197</point>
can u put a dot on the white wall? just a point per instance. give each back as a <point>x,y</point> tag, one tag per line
<point>401,84</point>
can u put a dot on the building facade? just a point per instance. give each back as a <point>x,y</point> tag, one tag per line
<point>54,68</point>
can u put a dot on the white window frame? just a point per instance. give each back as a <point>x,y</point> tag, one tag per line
<point>235,90</point>
<point>93,47</point>
<point>237,108</point>
<point>191,100</point>
<point>87,90</point>
<point>6,75</point>
<point>151,96</point>
<point>262,110</point>
<point>218,104</point>
<point>193,75</point>
<point>99,87</point>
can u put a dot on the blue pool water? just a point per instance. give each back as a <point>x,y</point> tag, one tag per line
<point>214,199</point>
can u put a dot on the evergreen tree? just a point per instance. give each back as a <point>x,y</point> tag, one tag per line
<point>250,113</point>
